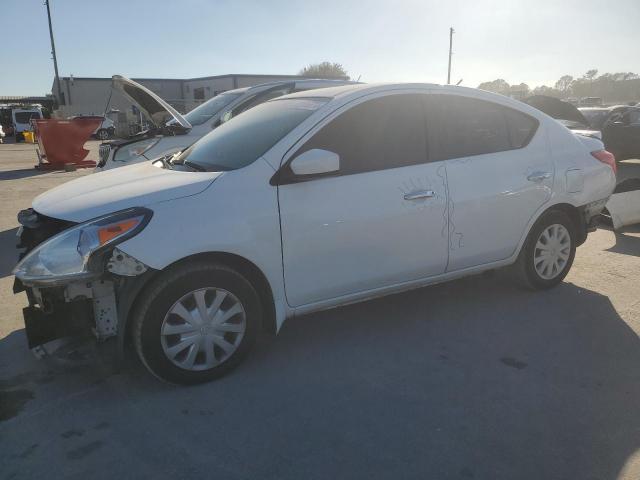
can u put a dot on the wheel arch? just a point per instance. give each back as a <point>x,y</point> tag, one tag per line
<point>573,212</point>
<point>132,288</point>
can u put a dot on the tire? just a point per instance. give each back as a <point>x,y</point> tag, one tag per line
<point>103,134</point>
<point>531,256</point>
<point>155,322</point>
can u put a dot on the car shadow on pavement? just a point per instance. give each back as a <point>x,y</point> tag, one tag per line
<point>21,173</point>
<point>8,252</point>
<point>627,244</point>
<point>470,379</point>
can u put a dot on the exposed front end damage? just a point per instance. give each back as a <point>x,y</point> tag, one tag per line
<point>85,309</point>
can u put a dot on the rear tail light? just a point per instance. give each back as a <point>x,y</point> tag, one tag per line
<point>606,157</point>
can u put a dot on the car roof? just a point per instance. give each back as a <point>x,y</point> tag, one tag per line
<point>342,90</point>
<point>359,88</point>
<point>321,82</point>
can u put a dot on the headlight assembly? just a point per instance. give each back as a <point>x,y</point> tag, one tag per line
<point>134,150</point>
<point>76,253</point>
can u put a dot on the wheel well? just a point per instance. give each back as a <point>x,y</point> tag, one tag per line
<point>252,273</point>
<point>576,217</point>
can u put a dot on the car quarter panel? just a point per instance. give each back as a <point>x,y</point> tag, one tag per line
<point>239,216</point>
<point>580,178</point>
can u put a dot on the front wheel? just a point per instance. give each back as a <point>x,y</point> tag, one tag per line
<point>548,252</point>
<point>196,323</point>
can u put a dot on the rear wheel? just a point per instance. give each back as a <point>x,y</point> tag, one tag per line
<point>196,323</point>
<point>103,134</point>
<point>548,252</point>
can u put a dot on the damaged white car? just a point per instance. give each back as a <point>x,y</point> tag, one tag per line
<point>306,202</point>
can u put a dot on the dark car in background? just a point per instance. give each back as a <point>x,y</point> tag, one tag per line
<point>564,113</point>
<point>620,127</point>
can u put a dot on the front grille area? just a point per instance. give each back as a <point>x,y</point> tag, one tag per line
<point>36,228</point>
<point>103,153</point>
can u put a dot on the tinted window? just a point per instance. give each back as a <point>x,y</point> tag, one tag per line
<point>634,117</point>
<point>243,139</point>
<point>382,133</point>
<point>521,127</point>
<point>470,127</point>
<point>25,117</point>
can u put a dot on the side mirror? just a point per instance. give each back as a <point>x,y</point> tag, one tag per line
<point>315,162</point>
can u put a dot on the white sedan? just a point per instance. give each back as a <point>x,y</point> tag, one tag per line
<point>307,202</point>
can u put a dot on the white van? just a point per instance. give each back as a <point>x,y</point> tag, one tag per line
<point>22,119</point>
<point>174,132</point>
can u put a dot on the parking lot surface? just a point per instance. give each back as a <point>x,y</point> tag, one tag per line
<point>474,379</point>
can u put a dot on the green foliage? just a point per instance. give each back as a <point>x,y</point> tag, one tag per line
<point>325,70</point>
<point>621,87</point>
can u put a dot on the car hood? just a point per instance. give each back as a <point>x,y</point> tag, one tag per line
<point>556,108</point>
<point>159,111</point>
<point>138,185</point>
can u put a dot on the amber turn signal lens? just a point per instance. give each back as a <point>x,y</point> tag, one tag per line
<point>109,232</point>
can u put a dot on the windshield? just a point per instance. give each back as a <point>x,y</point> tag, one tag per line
<point>245,138</point>
<point>204,112</point>
<point>25,117</point>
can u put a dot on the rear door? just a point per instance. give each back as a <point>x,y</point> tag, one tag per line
<point>499,174</point>
<point>381,220</point>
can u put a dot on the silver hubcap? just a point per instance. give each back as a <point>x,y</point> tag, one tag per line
<point>552,251</point>
<point>203,328</point>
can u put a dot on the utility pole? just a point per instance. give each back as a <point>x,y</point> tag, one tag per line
<point>53,53</point>
<point>451,32</point>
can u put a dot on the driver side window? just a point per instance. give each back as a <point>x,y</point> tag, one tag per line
<point>633,118</point>
<point>378,134</point>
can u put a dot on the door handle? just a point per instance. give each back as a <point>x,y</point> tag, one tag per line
<point>538,176</point>
<point>420,194</point>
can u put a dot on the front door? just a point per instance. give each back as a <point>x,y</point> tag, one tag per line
<point>499,173</point>
<point>381,220</point>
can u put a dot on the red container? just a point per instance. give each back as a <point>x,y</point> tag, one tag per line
<point>61,142</point>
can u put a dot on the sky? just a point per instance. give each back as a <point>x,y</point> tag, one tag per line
<point>534,42</point>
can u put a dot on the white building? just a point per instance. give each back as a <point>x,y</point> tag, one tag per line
<point>94,96</point>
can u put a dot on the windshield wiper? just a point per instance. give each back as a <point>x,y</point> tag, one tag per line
<point>195,166</point>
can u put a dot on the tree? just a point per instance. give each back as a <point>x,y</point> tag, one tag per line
<point>497,86</point>
<point>325,70</point>
<point>564,83</point>
<point>548,91</point>
<point>591,74</point>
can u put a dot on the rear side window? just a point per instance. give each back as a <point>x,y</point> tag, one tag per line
<point>468,127</point>
<point>378,134</point>
<point>521,127</point>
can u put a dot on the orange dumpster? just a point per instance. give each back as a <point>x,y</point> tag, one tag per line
<point>61,142</point>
